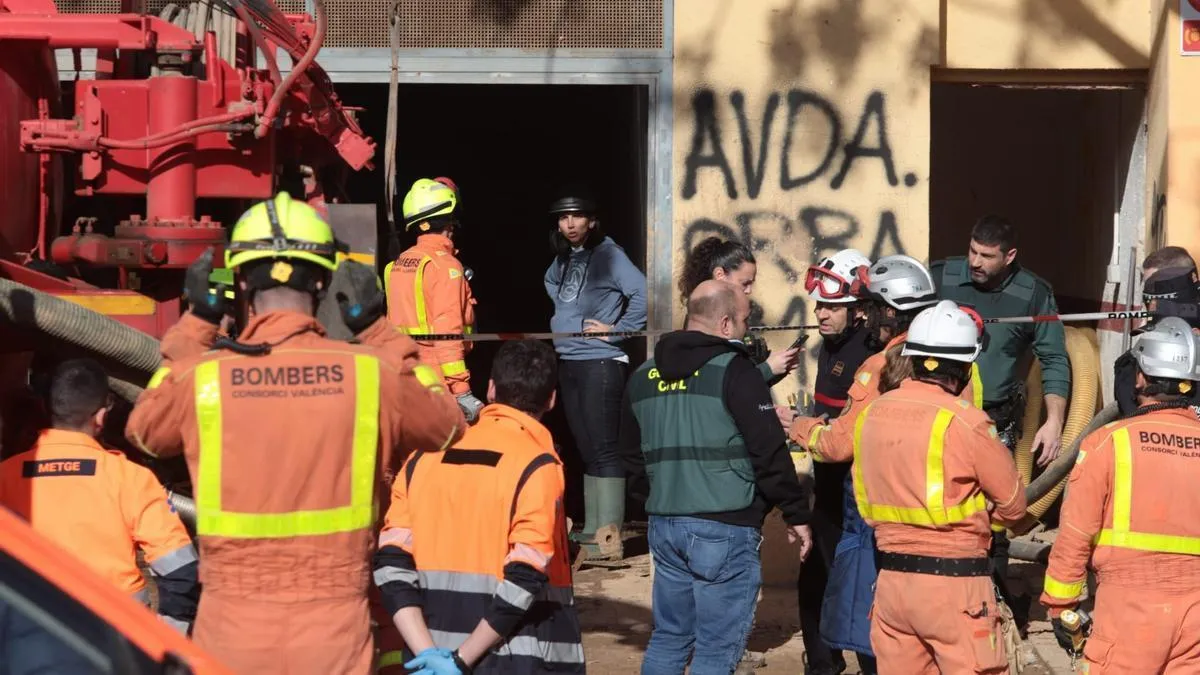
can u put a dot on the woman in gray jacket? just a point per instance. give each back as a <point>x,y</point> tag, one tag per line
<point>596,288</point>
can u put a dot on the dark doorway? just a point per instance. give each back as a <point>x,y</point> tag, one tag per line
<point>509,148</point>
<point>1053,160</point>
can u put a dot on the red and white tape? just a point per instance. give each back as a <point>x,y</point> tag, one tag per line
<point>504,337</point>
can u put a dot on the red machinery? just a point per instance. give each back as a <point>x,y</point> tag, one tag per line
<point>179,133</point>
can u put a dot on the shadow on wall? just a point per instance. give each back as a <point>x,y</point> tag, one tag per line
<point>839,32</point>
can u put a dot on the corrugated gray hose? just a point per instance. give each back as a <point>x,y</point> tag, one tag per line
<point>184,506</point>
<point>71,323</point>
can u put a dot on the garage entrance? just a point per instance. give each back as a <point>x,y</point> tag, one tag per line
<point>510,148</point>
<point>1053,160</point>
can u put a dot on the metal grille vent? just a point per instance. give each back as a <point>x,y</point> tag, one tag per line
<point>497,24</point>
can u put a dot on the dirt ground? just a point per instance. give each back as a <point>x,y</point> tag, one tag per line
<point>614,608</point>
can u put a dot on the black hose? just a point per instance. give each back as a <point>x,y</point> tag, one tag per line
<point>77,325</point>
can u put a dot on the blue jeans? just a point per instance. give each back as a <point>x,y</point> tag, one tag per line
<point>591,398</point>
<point>706,580</point>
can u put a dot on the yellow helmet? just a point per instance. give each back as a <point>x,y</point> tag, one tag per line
<point>426,199</point>
<point>281,228</point>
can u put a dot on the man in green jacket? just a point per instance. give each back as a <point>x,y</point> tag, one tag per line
<point>702,447</point>
<point>990,280</point>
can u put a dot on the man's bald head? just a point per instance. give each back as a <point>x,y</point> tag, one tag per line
<point>718,308</point>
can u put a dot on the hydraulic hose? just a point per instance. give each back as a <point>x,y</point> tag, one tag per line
<point>1056,473</point>
<point>1031,422</point>
<point>1085,385</point>
<point>77,325</point>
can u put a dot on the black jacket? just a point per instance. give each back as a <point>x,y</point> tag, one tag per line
<point>678,355</point>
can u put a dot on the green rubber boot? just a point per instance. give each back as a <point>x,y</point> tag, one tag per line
<point>606,542</point>
<point>590,492</point>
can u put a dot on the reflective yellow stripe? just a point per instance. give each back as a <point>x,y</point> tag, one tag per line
<point>454,368</point>
<point>813,438</point>
<point>935,512</point>
<point>428,378</point>
<point>935,471</point>
<point>388,659</point>
<point>996,527</point>
<point>976,386</point>
<point>1122,480</point>
<point>419,295</point>
<point>211,520</point>
<point>158,377</point>
<point>1120,536</point>
<point>860,488</point>
<point>1062,590</point>
<point>387,279</point>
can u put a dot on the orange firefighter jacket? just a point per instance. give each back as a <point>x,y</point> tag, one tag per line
<point>1131,509</point>
<point>286,450</point>
<point>478,532</point>
<point>102,507</point>
<point>428,293</point>
<point>926,466</point>
<point>833,440</point>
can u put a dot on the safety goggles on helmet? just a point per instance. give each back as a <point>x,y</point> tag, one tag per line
<point>828,285</point>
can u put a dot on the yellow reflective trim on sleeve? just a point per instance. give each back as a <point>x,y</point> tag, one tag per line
<point>976,386</point>
<point>213,520</point>
<point>392,658</point>
<point>814,437</point>
<point>454,368</point>
<point>1061,590</point>
<point>158,377</point>
<point>934,513</point>
<point>996,527</point>
<point>428,378</point>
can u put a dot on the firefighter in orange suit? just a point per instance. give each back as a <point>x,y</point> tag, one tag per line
<point>286,435</point>
<point>898,288</point>
<point>473,560</point>
<point>428,290</point>
<point>1130,511</point>
<point>96,503</point>
<point>927,465</point>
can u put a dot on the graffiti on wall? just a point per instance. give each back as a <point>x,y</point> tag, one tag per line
<point>802,147</point>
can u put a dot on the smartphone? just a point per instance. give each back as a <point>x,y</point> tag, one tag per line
<point>799,341</point>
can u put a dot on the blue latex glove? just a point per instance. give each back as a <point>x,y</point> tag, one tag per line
<point>433,661</point>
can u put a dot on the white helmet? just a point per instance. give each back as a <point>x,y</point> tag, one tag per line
<point>945,331</point>
<point>902,282</point>
<point>1168,350</point>
<point>833,279</point>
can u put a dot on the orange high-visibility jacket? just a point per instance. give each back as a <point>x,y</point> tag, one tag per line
<point>833,440</point>
<point>286,450</point>
<point>926,464</point>
<point>1131,510</point>
<point>102,507</point>
<point>427,293</point>
<point>478,532</point>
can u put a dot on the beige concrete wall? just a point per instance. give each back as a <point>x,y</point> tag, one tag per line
<point>1057,34</point>
<point>1179,202</point>
<point>1163,45</point>
<point>801,127</point>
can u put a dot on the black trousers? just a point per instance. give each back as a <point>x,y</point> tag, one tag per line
<point>591,394</point>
